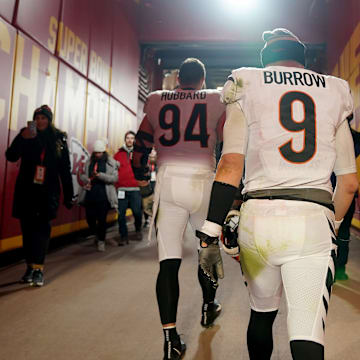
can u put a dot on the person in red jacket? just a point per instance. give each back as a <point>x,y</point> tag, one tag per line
<point>128,190</point>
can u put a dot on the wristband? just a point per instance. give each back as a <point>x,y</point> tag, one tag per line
<point>212,229</point>
<point>221,199</point>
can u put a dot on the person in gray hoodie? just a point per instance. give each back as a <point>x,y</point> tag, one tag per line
<point>98,193</point>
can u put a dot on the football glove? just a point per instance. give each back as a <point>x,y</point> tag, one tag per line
<point>229,234</point>
<point>147,199</point>
<point>210,261</point>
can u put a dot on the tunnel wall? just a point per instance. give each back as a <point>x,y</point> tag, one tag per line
<point>82,60</point>
<point>343,54</point>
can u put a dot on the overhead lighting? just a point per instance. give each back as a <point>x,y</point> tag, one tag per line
<point>240,4</point>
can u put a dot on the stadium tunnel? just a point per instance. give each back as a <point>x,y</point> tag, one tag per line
<point>94,62</point>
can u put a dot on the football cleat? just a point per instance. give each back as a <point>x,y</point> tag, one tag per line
<point>174,350</point>
<point>209,313</point>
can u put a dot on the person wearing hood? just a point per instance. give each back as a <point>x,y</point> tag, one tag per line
<point>99,176</point>
<point>45,162</point>
<point>128,190</point>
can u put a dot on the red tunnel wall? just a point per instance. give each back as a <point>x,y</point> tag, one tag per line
<point>81,58</point>
<point>343,53</point>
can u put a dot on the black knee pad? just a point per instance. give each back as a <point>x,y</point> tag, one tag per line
<point>167,290</point>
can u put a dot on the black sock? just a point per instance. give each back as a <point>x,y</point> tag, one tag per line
<point>170,334</point>
<point>167,290</point>
<point>207,288</point>
<point>259,335</point>
<point>306,350</point>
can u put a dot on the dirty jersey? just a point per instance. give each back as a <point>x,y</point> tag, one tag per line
<point>292,115</point>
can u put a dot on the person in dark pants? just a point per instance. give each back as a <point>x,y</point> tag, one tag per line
<point>45,162</point>
<point>128,190</point>
<point>98,194</point>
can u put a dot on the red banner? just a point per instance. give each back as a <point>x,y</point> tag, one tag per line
<point>121,120</point>
<point>344,60</point>
<point>70,117</point>
<point>7,9</point>
<point>70,103</point>
<point>125,63</point>
<point>100,46</point>
<point>116,126</point>
<point>7,47</point>
<point>39,18</point>
<point>96,116</point>
<point>74,33</point>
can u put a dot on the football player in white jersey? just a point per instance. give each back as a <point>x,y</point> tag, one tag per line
<point>184,125</point>
<point>288,125</point>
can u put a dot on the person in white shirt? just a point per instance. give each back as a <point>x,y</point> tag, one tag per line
<point>288,125</point>
<point>184,125</point>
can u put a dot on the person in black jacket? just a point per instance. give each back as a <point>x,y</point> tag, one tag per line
<point>44,162</point>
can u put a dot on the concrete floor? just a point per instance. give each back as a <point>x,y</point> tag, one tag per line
<point>103,306</point>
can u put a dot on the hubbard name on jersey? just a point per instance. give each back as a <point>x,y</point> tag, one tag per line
<point>292,115</point>
<point>185,125</point>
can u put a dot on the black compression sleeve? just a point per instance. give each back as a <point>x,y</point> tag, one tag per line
<point>222,197</point>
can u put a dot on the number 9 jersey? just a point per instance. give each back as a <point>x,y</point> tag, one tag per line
<point>292,116</point>
<point>185,124</point>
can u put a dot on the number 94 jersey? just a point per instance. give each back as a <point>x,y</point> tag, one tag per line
<point>186,124</point>
<point>292,115</point>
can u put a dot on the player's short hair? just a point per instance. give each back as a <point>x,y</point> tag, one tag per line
<point>191,71</point>
<point>281,44</point>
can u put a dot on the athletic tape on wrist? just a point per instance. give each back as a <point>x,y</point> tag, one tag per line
<point>338,223</point>
<point>211,229</point>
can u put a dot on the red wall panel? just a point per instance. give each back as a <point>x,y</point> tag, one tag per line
<point>7,47</point>
<point>74,34</point>
<point>120,121</point>
<point>96,116</point>
<point>100,45</point>
<point>70,102</point>
<point>344,57</point>
<point>39,18</point>
<point>7,9</point>
<point>34,84</point>
<point>348,15</point>
<point>125,62</point>
<point>116,126</point>
<point>70,117</point>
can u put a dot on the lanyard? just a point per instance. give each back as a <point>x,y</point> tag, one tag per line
<point>42,156</point>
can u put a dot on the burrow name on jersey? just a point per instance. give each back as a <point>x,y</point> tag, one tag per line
<point>179,95</point>
<point>294,78</point>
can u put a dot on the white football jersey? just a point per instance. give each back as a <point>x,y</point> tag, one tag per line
<point>292,115</point>
<point>186,125</point>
